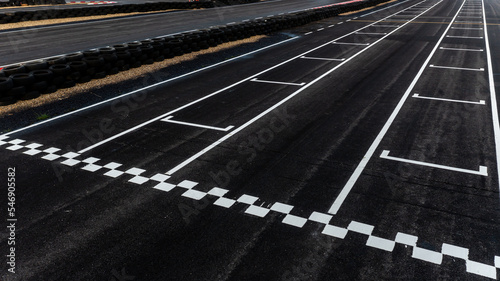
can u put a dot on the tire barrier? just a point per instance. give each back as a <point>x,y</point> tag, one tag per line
<point>41,77</point>
<point>13,17</point>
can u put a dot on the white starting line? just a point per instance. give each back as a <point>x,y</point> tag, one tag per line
<point>481,102</point>
<point>483,171</point>
<point>456,68</point>
<point>277,82</point>
<point>169,120</point>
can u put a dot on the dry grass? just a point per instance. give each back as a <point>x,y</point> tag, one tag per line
<point>365,9</point>
<point>67,20</point>
<point>89,87</point>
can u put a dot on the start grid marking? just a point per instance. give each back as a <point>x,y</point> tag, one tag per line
<point>385,153</point>
<point>159,182</point>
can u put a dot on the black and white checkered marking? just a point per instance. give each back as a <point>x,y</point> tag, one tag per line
<point>114,170</point>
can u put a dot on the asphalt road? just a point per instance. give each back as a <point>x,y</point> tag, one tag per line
<point>364,148</point>
<point>18,45</point>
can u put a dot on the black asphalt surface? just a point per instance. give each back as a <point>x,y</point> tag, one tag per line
<point>18,45</point>
<point>231,173</point>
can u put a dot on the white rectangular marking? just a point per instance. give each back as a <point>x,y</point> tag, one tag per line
<point>457,68</point>
<point>381,243</point>
<point>320,217</point>
<point>224,202</point>
<point>257,211</point>
<point>459,49</point>
<point>308,33</point>
<point>320,29</point>
<point>281,208</point>
<point>497,261</point>
<point>481,269</point>
<point>370,33</point>
<point>385,25</point>
<point>406,239</point>
<point>277,82</point>
<point>481,102</point>
<point>483,171</point>
<point>468,28</point>
<point>355,44</point>
<point>335,231</point>
<point>464,37</point>
<point>294,220</point>
<point>455,251</point>
<point>163,186</point>
<point>169,120</point>
<point>427,255</point>
<point>360,227</point>
<point>314,58</point>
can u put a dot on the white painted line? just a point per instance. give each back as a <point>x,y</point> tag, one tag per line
<point>483,171</point>
<point>355,44</point>
<point>465,37</point>
<point>497,261</point>
<point>314,58</point>
<point>308,33</point>
<point>481,102</point>
<point>281,208</point>
<point>459,49</point>
<point>169,119</point>
<point>348,20</point>
<point>231,22</point>
<point>368,155</point>
<point>469,22</point>
<point>320,29</point>
<point>457,68</point>
<point>370,33</point>
<point>340,23</point>
<point>468,28</point>
<point>248,123</point>
<point>277,82</point>
<point>320,217</point>
<point>294,221</point>
<point>385,25</point>
<point>331,25</point>
<point>149,87</point>
<point>470,17</point>
<point>493,95</point>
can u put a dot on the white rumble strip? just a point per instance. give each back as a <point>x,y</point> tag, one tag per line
<point>113,170</point>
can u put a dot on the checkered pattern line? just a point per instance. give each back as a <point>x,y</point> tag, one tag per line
<point>115,170</point>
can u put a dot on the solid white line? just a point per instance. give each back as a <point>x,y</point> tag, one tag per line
<point>277,82</point>
<point>457,68</point>
<point>348,43</point>
<point>362,164</point>
<point>470,17</point>
<point>308,33</point>
<point>148,87</point>
<point>481,102</point>
<point>248,123</point>
<point>465,37</point>
<point>386,25</point>
<point>315,58</point>
<point>468,22</point>
<point>169,119</point>
<point>467,28</point>
<point>371,33</point>
<point>458,49</point>
<point>494,109</point>
<point>483,171</point>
